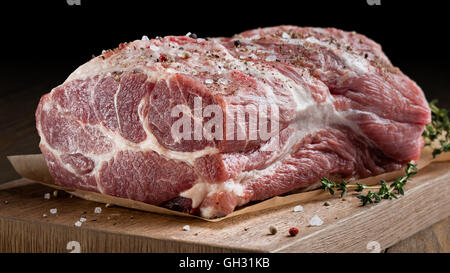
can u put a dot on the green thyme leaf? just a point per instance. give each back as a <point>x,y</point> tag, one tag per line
<point>360,187</point>
<point>385,191</point>
<point>438,129</point>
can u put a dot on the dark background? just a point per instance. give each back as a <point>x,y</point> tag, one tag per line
<point>43,42</point>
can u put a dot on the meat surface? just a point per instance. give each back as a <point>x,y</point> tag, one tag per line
<point>263,113</point>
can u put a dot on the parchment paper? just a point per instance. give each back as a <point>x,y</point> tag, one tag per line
<point>34,167</point>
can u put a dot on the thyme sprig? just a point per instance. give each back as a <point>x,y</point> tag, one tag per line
<point>438,129</point>
<point>385,191</point>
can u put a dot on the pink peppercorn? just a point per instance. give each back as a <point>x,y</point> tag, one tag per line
<point>293,231</point>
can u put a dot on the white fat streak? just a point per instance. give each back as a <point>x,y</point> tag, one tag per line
<point>92,68</point>
<point>57,155</point>
<point>100,67</point>
<point>152,144</point>
<point>208,212</point>
<point>115,105</point>
<point>355,62</point>
<point>120,144</point>
<point>310,118</point>
<point>124,60</point>
<point>202,190</point>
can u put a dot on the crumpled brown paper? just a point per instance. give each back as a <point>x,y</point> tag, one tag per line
<point>34,167</point>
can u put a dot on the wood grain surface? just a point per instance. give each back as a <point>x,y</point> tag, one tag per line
<point>434,239</point>
<point>347,227</point>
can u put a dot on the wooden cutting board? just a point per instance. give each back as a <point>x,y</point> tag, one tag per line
<point>347,226</point>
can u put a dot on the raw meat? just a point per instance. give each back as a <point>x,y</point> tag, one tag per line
<point>339,107</point>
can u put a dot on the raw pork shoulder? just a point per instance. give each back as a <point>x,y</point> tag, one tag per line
<point>338,106</point>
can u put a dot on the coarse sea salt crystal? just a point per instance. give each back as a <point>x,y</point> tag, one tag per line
<point>154,48</point>
<point>53,211</point>
<point>253,56</point>
<point>144,38</point>
<point>209,81</point>
<point>315,221</point>
<point>186,228</point>
<point>200,40</point>
<point>47,196</point>
<point>82,219</point>
<point>242,57</point>
<point>284,35</point>
<point>298,208</point>
<point>98,210</point>
<point>78,223</point>
<point>222,81</point>
<point>271,58</point>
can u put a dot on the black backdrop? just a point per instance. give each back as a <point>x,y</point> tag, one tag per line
<point>45,41</point>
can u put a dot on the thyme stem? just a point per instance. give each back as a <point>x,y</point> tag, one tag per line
<point>385,191</point>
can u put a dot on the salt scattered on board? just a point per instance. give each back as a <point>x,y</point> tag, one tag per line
<point>78,224</point>
<point>298,208</point>
<point>98,210</point>
<point>53,211</point>
<point>315,221</point>
<point>186,228</point>
<point>82,219</point>
<point>47,196</point>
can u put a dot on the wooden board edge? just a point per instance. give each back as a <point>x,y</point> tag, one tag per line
<point>22,236</point>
